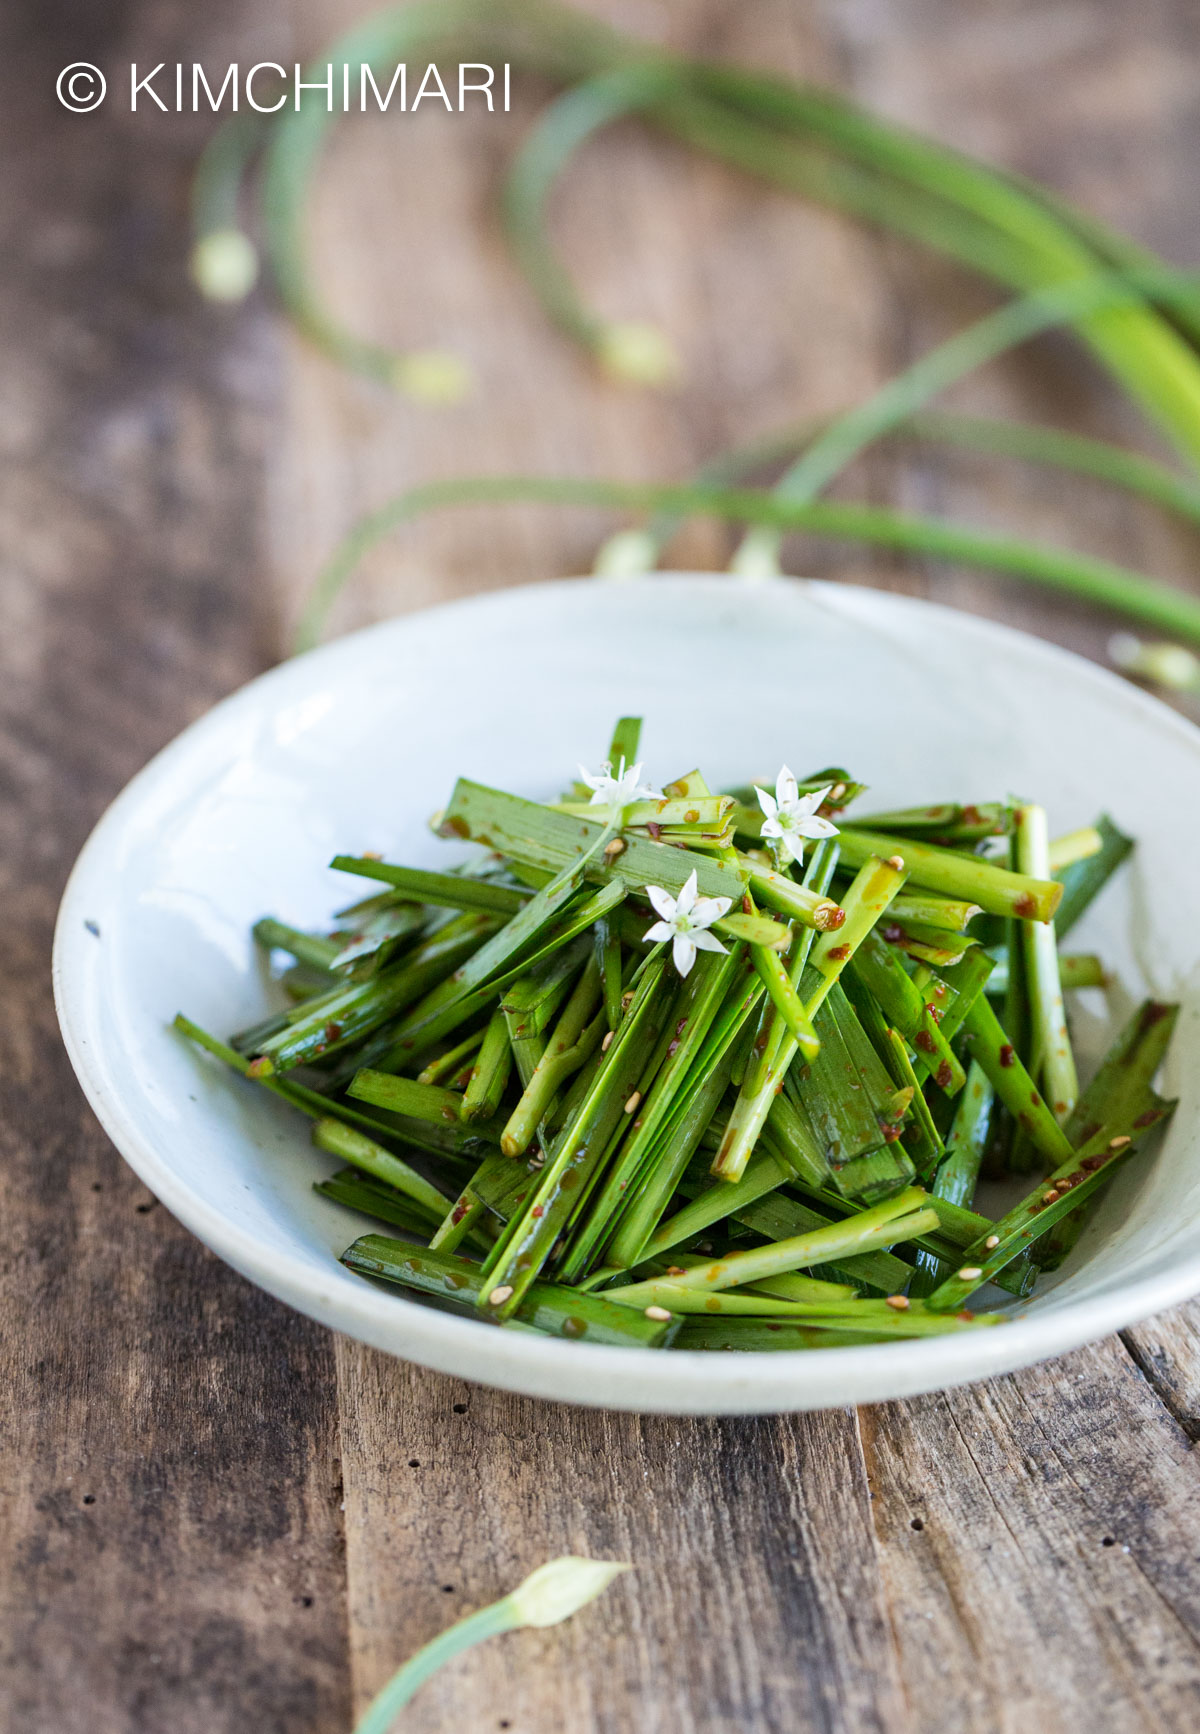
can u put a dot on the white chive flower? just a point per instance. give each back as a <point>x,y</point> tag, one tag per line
<point>791,816</point>
<point>619,791</point>
<point>686,920</point>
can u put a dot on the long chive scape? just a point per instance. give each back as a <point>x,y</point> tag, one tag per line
<point>654,1057</point>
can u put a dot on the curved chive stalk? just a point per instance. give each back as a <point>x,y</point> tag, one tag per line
<point>294,145</point>
<point>1097,581</point>
<point>224,261</point>
<point>1051,1038</point>
<point>635,353</point>
<point>1152,360</point>
<point>630,553</point>
<point>552,1593</point>
<point>894,403</point>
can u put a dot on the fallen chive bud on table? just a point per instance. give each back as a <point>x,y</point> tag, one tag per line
<point>664,1067</point>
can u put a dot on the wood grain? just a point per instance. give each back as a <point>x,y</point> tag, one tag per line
<point>756,1599</point>
<point>170,1532</point>
<point>177,1448</point>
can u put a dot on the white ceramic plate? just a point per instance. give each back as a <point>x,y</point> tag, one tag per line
<point>352,747</point>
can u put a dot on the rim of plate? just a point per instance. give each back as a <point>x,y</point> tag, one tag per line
<point>675,1382</point>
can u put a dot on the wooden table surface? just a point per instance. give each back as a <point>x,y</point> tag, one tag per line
<point>216,1515</point>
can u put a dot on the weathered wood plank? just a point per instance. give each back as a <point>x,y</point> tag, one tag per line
<point>1167,1349</point>
<point>1038,1537</point>
<point>170,1533</point>
<point>755,1602</point>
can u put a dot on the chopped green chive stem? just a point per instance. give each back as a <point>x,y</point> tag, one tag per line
<point>560,1312</point>
<point>899,998</point>
<point>958,1171</point>
<point>1053,1198</point>
<point>1076,969</point>
<point>1083,880</point>
<point>578,1152</point>
<point>310,948</point>
<point>490,1073</point>
<point>448,1064</point>
<point>798,902</point>
<point>1074,846</point>
<point>897,1219</point>
<point>1051,1039</point>
<point>996,889</point>
<point>450,890</point>
<point>1007,1075</point>
<point>950,915</point>
<point>787,1002</point>
<point>576,1037</point>
<point>351,1146</point>
<point>1127,1071</point>
<point>873,888</point>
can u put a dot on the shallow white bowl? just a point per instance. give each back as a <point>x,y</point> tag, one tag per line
<point>352,747</point>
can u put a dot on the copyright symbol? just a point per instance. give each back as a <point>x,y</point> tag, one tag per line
<point>81,87</point>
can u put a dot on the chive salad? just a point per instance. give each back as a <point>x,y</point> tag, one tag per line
<point>668,1068</point>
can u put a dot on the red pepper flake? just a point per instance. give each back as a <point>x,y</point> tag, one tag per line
<point>747,904</point>
<point>538,1210</point>
<point>890,1132</point>
<point>1007,1054</point>
<point>1035,1098</point>
<point>1026,906</point>
<point>944,1075</point>
<point>333,1032</point>
<point>926,1042</point>
<point>829,920</point>
<point>936,1012</point>
<point>459,1211</point>
<point>838,953</point>
<point>654,829</point>
<point>1148,1118</point>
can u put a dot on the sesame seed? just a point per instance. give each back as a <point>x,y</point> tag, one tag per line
<point>970,1272</point>
<point>1050,1197</point>
<point>1118,1143</point>
<point>616,847</point>
<point>607,1042</point>
<point>991,1241</point>
<point>632,1104</point>
<point>837,791</point>
<point>897,862</point>
<point>499,1295</point>
<point>659,1314</point>
<point>899,1301</point>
